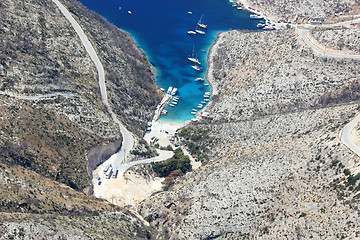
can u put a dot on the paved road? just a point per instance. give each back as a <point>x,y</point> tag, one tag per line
<point>162,156</point>
<point>304,35</point>
<point>341,24</point>
<point>345,133</point>
<point>128,139</point>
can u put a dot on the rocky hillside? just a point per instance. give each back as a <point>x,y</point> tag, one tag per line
<point>304,10</point>
<point>276,168</point>
<point>51,114</point>
<point>345,40</point>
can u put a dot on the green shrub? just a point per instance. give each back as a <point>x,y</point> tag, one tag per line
<point>178,162</point>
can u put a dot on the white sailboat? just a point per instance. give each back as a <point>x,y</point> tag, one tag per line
<point>201,24</point>
<point>194,59</point>
<point>197,68</point>
<point>200,32</point>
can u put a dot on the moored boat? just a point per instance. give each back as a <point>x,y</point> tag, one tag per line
<point>195,60</point>
<point>199,79</point>
<point>191,32</point>
<point>254,16</point>
<point>268,28</point>
<point>193,113</point>
<point>192,58</point>
<point>197,68</point>
<point>173,91</point>
<point>200,32</point>
<point>201,24</point>
<point>169,90</point>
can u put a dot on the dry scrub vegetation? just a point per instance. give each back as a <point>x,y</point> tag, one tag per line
<point>51,116</point>
<point>276,167</point>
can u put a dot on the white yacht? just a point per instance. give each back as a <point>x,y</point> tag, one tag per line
<point>200,32</point>
<point>201,24</point>
<point>192,58</point>
<point>197,68</point>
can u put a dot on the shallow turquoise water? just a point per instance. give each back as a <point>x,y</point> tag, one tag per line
<point>160,29</point>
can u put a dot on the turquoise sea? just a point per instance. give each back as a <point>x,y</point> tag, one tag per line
<point>160,28</point>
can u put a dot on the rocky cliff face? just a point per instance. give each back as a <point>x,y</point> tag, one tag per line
<point>50,104</point>
<point>276,165</point>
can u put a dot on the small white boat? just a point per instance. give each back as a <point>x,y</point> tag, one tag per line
<point>195,60</point>
<point>260,25</point>
<point>200,32</point>
<point>206,99</point>
<point>172,105</point>
<point>206,84</point>
<point>169,90</point>
<point>199,80</point>
<point>203,102</point>
<point>173,91</point>
<point>268,28</point>
<point>192,58</point>
<point>191,32</point>
<point>194,110</point>
<point>197,68</point>
<point>189,12</point>
<point>207,92</point>
<point>193,113</point>
<point>201,24</point>
<point>254,16</point>
<point>129,12</point>
<point>206,95</point>
<point>239,8</point>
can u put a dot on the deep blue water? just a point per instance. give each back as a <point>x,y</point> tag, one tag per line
<point>160,28</point>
